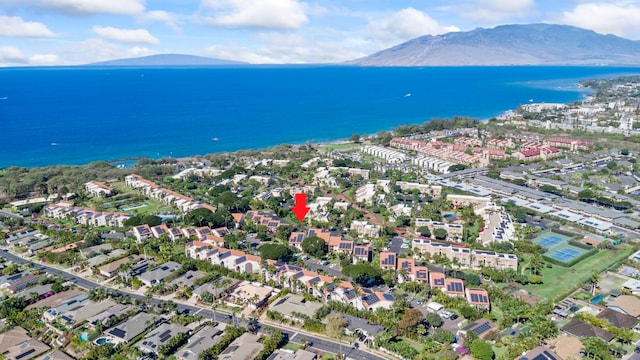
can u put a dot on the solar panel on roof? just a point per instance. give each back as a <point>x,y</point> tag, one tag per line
<point>118,333</point>
<point>548,355</point>
<point>439,281</point>
<point>166,335</point>
<point>370,299</point>
<point>482,329</point>
<point>26,353</point>
<point>388,297</point>
<point>474,297</point>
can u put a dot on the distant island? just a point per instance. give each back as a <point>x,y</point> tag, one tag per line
<point>168,60</point>
<point>532,44</point>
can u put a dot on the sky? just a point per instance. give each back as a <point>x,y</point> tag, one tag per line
<point>70,32</point>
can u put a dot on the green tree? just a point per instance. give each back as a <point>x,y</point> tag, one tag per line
<point>443,336</point>
<point>596,348</point>
<point>355,138</point>
<point>363,273</point>
<point>434,320</point>
<point>440,234</point>
<point>275,252</point>
<point>314,246</point>
<point>424,231</point>
<point>481,350</point>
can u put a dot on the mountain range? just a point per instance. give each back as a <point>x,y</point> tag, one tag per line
<point>529,44</point>
<point>532,44</point>
<point>168,60</point>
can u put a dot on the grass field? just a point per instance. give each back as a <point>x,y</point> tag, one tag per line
<point>339,146</point>
<point>560,281</point>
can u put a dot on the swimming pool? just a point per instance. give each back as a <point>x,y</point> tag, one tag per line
<point>596,300</point>
<point>84,336</point>
<point>102,341</point>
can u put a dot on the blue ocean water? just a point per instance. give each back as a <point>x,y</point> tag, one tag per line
<point>111,113</point>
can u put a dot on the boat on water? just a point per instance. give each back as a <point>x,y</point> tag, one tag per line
<point>214,139</point>
<point>407,94</point>
<point>54,144</point>
<point>4,98</point>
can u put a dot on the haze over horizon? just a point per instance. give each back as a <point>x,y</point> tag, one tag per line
<point>71,32</point>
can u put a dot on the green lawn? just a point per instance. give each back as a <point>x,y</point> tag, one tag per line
<point>560,281</point>
<point>339,146</point>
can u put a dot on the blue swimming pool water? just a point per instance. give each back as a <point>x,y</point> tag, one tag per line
<point>597,299</point>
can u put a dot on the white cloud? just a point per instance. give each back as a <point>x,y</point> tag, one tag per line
<point>11,56</point>
<point>14,26</point>
<point>619,19</point>
<point>277,48</point>
<point>273,14</point>
<point>407,24</point>
<point>43,59</point>
<point>169,19</point>
<point>95,50</point>
<point>135,36</point>
<point>82,7</point>
<point>497,10</point>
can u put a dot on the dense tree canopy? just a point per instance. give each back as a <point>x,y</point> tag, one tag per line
<point>150,220</point>
<point>364,274</point>
<point>275,252</point>
<point>314,246</point>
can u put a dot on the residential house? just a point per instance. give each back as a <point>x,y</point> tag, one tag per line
<point>540,353</point>
<point>454,287</point>
<point>300,354</point>
<point>581,329</point>
<point>437,280</point>
<point>160,230</point>
<point>199,342</point>
<point>111,269</point>
<point>482,328</point>
<point>142,232</point>
<point>295,307</point>
<point>160,336</point>
<point>16,344</point>
<point>627,304</point>
<point>363,228</point>
<point>18,282</point>
<point>478,298</point>
<point>360,326</point>
<point>618,319</point>
<point>157,275</point>
<point>188,279</point>
<point>388,260</point>
<point>98,189</point>
<point>218,287</point>
<point>56,355</point>
<point>246,347</point>
<point>134,326</point>
<point>361,253</point>
<point>372,300</point>
<point>250,295</point>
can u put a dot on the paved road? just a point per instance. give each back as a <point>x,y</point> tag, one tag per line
<point>318,343</point>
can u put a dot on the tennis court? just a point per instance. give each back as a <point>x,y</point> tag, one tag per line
<point>549,241</point>
<point>566,254</point>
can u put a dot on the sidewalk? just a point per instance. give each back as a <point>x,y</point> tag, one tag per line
<point>301,331</point>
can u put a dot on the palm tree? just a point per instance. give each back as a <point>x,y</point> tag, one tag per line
<point>593,279</point>
<point>214,306</point>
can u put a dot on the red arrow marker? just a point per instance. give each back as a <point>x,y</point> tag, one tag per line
<point>301,209</point>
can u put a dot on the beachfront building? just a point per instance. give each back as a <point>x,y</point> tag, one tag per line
<point>454,231</point>
<point>390,155</point>
<point>65,210</point>
<point>234,260</point>
<point>98,189</point>
<point>152,190</point>
<point>466,258</point>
